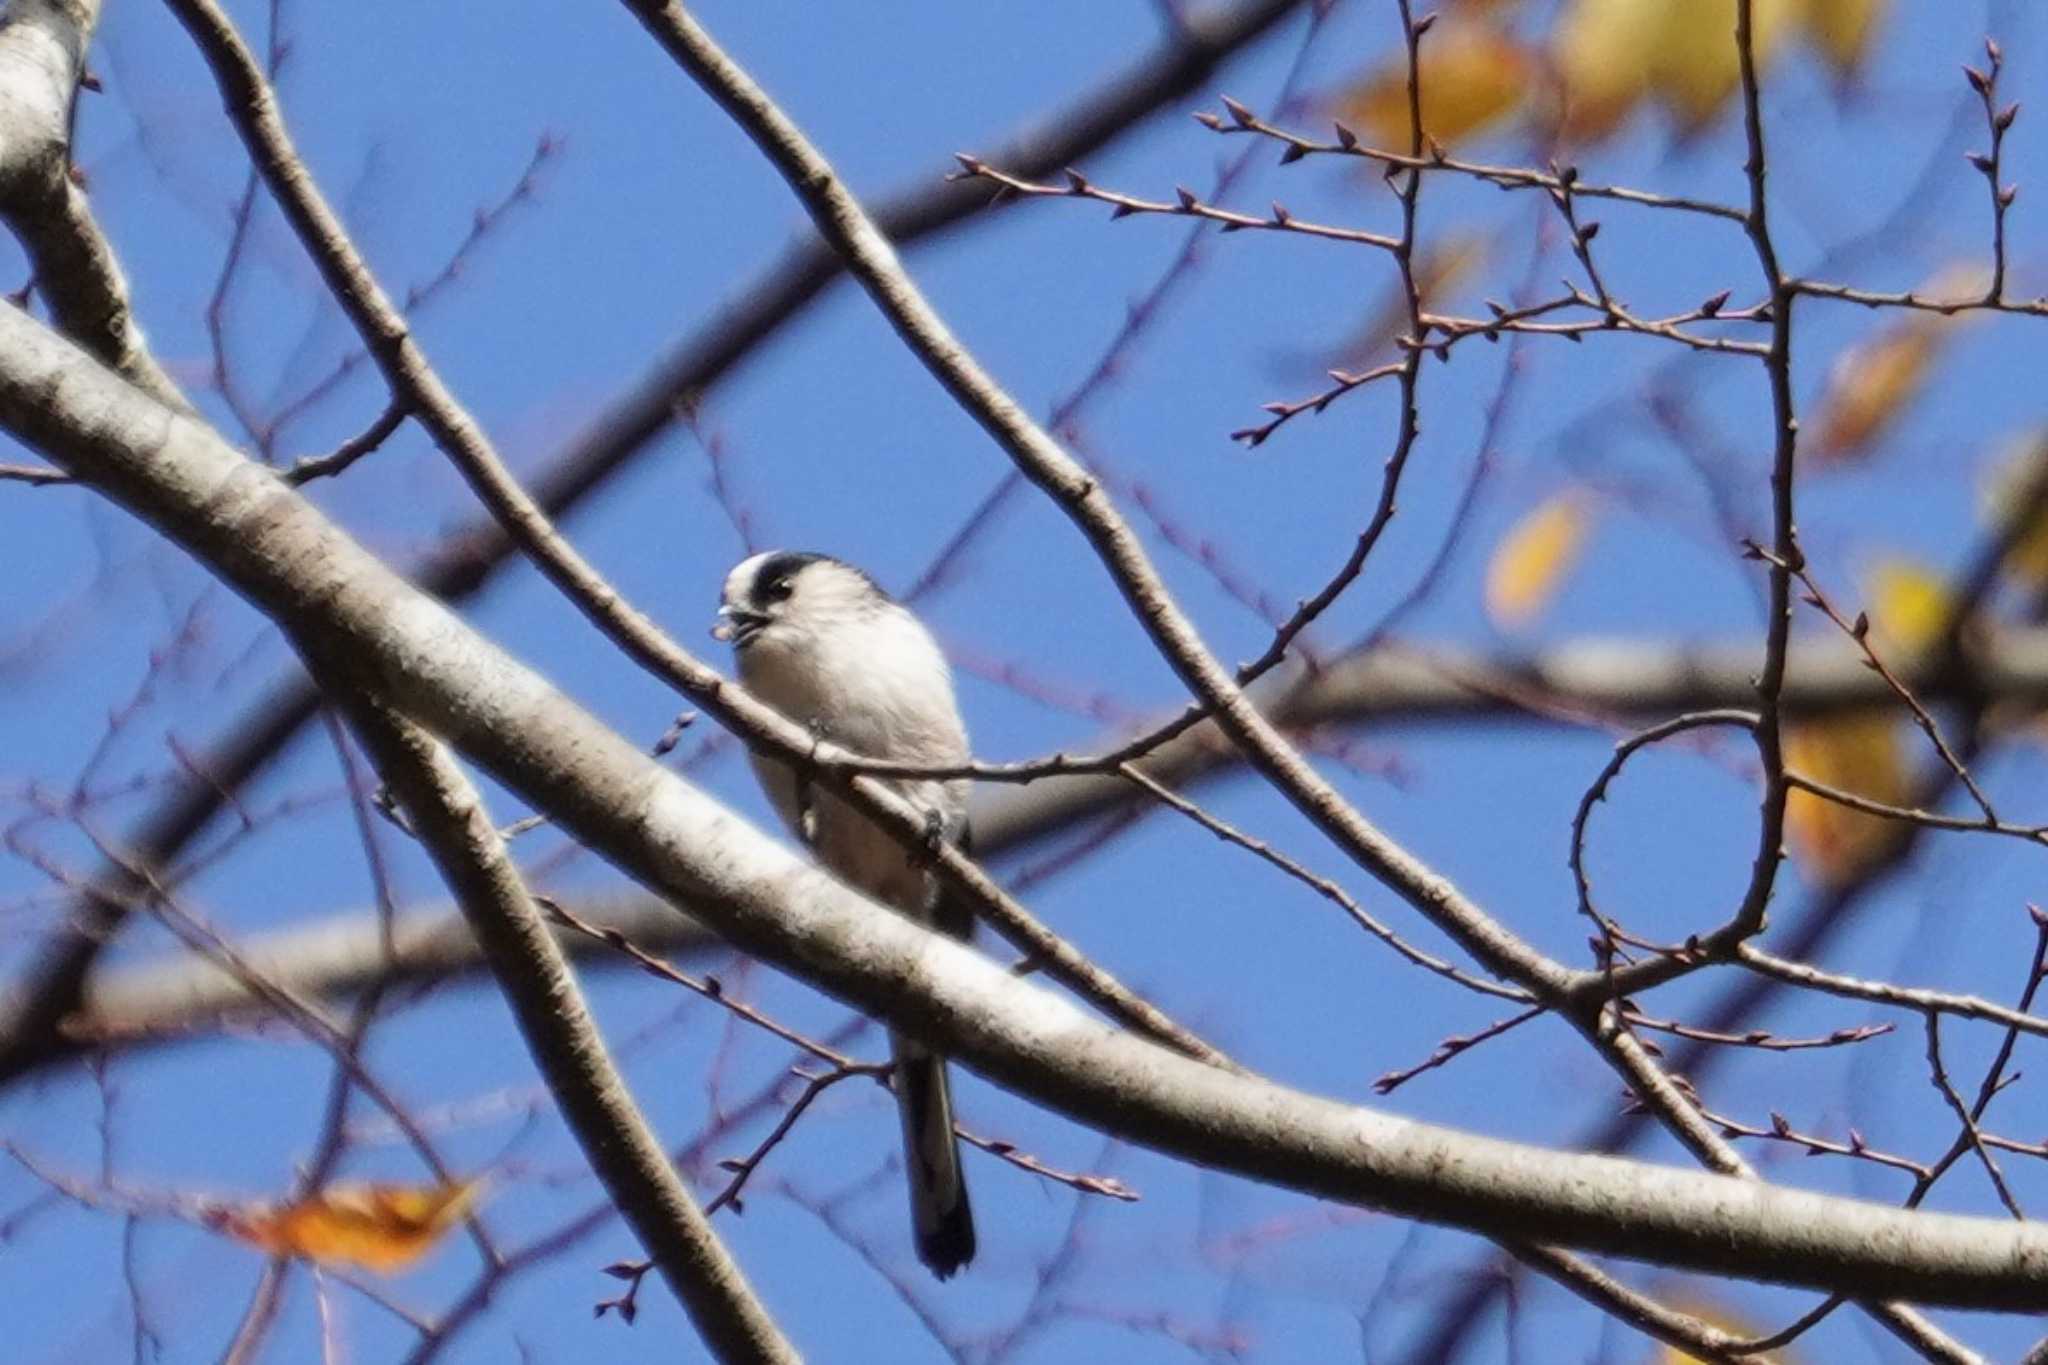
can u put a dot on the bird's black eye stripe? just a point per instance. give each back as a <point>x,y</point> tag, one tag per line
<point>775,579</point>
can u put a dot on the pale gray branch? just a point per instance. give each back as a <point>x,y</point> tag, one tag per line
<point>281,553</point>
<point>467,557</point>
<point>42,57</point>
<point>451,821</point>
<point>1394,684</point>
<point>168,997</point>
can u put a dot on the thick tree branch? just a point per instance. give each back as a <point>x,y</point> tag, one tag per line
<point>468,557</point>
<point>276,549</point>
<point>252,106</point>
<point>42,57</point>
<point>452,823</point>
<point>166,998</point>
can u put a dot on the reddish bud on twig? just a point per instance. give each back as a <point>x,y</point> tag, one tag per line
<point>1346,139</point>
<point>1978,80</point>
<point>1242,115</point>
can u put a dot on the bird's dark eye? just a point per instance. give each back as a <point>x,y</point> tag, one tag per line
<point>778,590</point>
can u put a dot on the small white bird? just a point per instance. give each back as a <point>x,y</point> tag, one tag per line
<point>822,643</point>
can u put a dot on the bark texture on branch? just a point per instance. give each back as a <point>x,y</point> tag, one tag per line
<point>415,655</point>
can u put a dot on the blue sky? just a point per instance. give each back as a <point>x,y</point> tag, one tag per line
<point>652,213</point>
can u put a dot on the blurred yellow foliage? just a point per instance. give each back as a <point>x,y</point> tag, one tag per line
<point>1859,752</point>
<point>1442,267</point>
<point>1472,76</point>
<point>1695,65</point>
<point>1611,55</point>
<point>1532,560</point>
<point>379,1227</point>
<point>2016,473</point>
<point>1843,30</point>
<point>1873,382</point>
<point>1910,606</point>
<point>1728,1320</point>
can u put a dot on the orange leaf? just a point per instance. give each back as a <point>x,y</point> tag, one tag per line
<point>1860,753</point>
<point>380,1227</point>
<point>1871,384</point>
<point>1534,557</point>
<point>1472,76</point>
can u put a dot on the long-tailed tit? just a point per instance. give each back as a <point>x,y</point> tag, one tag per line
<point>822,643</point>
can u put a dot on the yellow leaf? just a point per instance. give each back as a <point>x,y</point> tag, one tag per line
<point>1694,63</point>
<point>1843,31</point>
<point>1472,77</point>
<point>1910,606</point>
<point>1600,50</point>
<point>1860,753</point>
<point>2015,477</point>
<point>1611,54</point>
<point>380,1227</point>
<point>1534,557</point>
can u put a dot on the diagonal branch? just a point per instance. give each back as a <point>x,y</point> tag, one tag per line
<point>393,644</point>
<point>466,559</point>
<point>42,61</point>
<point>252,107</point>
<point>533,972</point>
<point>840,218</point>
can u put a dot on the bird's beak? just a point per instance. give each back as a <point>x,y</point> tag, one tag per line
<point>737,624</point>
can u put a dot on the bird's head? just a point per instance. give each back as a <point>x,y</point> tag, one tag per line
<point>786,594</point>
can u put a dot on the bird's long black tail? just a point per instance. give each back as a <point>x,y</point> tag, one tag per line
<point>939,1212</point>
